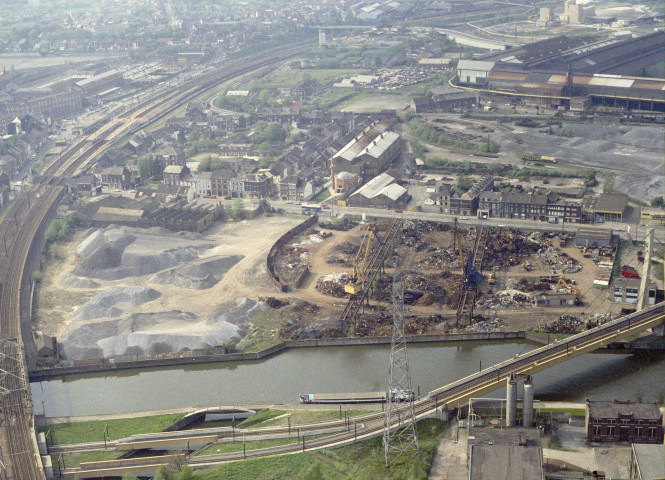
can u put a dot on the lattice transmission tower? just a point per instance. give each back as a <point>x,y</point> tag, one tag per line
<point>400,436</point>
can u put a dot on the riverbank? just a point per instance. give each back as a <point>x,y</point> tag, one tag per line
<point>38,375</point>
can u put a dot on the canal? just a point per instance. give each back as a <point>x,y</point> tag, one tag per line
<point>281,378</point>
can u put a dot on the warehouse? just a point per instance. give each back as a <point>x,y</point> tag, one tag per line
<point>610,207</point>
<point>568,73</point>
<point>380,192</point>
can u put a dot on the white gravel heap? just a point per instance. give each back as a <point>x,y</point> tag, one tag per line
<point>119,252</point>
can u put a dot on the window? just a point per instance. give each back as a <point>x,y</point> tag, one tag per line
<point>638,431</point>
<point>596,430</point>
<point>625,421</point>
<point>652,431</point>
<point>610,430</point>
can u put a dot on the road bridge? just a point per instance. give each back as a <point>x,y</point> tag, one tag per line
<point>437,401</point>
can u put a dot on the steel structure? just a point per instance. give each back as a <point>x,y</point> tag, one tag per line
<point>472,267</point>
<point>372,263</point>
<point>400,437</point>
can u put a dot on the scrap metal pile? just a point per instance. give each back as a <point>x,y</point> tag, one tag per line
<point>558,261</point>
<point>333,284</point>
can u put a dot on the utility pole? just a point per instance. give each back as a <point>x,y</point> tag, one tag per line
<point>402,438</point>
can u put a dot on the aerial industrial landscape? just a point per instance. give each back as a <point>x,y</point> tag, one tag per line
<point>332,240</point>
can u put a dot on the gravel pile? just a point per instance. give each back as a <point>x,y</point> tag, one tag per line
<point>199,274</point>
<point>118,252</point>
<point>78,282</point>
<point>114,301</point>
<point>159,332</point>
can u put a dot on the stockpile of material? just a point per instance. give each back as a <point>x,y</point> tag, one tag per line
<point>558,261</point>
<point>333,284</point>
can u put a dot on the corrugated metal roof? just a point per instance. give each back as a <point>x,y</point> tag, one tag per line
<point>561,79</point>
<point>475,65</point>
<point>381,144</point>
<point>517,77</point>
<point>372,188</point>
<point>604,81</point>
<point>649,84</point>
<point>393,191</point>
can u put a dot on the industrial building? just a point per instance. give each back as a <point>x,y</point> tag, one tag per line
<point>380,192</point>
<point>564,72</point>
<point>619,421</point>
<point>505,454</point>
<point>366,155</point>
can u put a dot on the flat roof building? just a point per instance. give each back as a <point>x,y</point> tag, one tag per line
<point>505,454</point>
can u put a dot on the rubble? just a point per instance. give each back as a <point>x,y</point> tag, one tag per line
<point>505,299</point>
<point>341,225</point>
<point>558,261</point>
<point>333,284</point>
<point>482,324</point>
<point>273,302</point>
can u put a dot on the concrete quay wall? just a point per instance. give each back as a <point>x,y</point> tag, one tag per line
<point>108,366</point>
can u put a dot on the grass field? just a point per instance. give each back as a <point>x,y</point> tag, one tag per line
<point>267,418</point>
<point>362,461</point>
<point>261,336</point>
<point>76,458</point>
<point>79,432</point>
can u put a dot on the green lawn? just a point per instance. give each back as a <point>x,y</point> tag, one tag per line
<point>575,412</point>
<point>76,458</point>
<point>237,446</point>
<point>299,417</point>
<point>362,461</point>
<point>79,432</point>
<point>260,417</point>
<point>325,194</point>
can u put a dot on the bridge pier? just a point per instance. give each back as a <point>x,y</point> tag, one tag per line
<point>527,403</point>
<point>511,401</point>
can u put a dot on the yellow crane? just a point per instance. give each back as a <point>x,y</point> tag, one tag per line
<point>360,264</point>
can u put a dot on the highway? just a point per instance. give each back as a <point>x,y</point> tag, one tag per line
<point>24,224</point>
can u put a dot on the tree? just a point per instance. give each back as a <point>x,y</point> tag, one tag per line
<point>658,202</point>
<point>236,209</point>
<point>144,166</point>
<point>464,183</point>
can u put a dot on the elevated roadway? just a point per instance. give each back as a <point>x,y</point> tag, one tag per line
<point>435,403</point>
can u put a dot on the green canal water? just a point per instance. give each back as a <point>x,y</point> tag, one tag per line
<point>280,379</point>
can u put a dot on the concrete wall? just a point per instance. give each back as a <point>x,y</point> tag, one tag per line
<point>42,374</point>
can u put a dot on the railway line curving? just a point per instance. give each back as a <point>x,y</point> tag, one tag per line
<point>26,220</point>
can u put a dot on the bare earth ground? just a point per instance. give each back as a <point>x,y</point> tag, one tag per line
<point>56,305</point>
<point>248,278</point>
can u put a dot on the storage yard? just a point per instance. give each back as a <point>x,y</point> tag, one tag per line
<point>150,293</point>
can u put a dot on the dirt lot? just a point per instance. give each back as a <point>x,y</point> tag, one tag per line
<point>181,302</point>
<point>524,264</point>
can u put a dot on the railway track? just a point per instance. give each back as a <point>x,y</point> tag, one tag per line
<point>450,396</point>
<point>25,221</point>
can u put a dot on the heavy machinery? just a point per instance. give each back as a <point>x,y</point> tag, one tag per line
<point>563,285</point>
<point>369,263</point>
<point>360,264</point>
<point>471,265</point>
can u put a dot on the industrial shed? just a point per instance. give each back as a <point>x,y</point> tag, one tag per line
<point>380,192</point>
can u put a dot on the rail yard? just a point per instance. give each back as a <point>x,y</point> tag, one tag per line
<point>21,456</point>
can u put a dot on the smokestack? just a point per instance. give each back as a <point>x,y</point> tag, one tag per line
<point>527,404</point>
<point>511,401</point>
